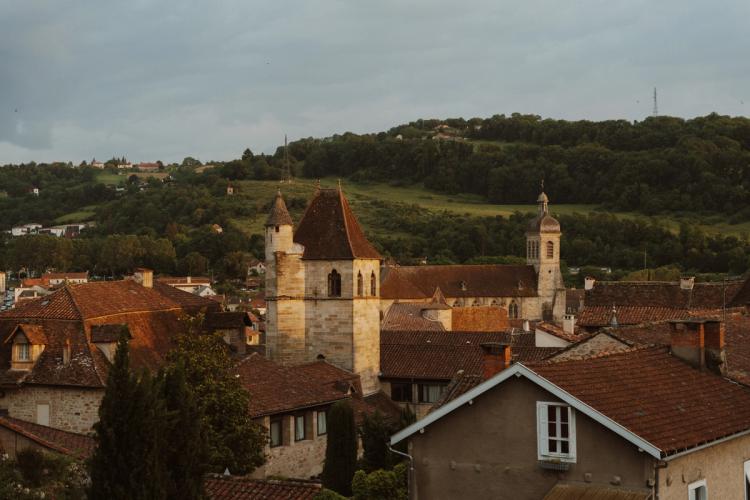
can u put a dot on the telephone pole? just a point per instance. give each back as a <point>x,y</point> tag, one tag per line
<point>656,107</point>
<point>286,176</point>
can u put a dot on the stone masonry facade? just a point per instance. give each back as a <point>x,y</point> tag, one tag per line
<point>70,408</point>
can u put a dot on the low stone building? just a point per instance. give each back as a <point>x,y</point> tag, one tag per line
<point>17,435</point>
<point>55,351</point>
<point>292,403</point>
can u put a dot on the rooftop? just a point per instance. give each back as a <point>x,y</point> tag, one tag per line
<point>240,488</point>
<point>68,443</point>
<point>329,231</point>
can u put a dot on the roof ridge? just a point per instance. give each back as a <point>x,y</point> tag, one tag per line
<point>76,306</point>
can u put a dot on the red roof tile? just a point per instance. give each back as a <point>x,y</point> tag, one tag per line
<point>69,443</point>
<point>479,319</point>
<point>279,215</point>
<point>275,388</point>
<point>329,230</point>
<point>420,282</point>
<point>407,316</point>
<point>238,488</point>
<point>656,396</point>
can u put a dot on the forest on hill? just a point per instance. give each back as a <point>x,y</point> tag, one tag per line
<point>661,165</point>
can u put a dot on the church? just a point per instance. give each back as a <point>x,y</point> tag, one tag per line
<point>327,291</point>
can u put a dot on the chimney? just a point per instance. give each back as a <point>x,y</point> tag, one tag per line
<point>588,283</point>
<point>700,343</point>
<point>189,280</point>
<point>495,358</point>
<point>687,282</point>
<point>145,277</point>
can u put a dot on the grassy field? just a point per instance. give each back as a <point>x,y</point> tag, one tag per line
<point>359,194</point>
<point>82,215</point>
<point>110,179</point>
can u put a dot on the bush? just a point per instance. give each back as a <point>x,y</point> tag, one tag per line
<point>326,494</point>
<point>31,462</point>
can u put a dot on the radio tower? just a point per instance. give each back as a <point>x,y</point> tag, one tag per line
<point>286,176</point>
<point>656,107</point>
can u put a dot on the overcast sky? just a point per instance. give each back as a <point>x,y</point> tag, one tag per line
<point>168,79</point>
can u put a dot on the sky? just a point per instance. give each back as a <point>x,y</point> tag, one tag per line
<point>163,80</point>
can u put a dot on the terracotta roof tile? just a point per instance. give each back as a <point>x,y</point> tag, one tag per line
<point>656,396</point>
<point>107,333</point>
<point>440,355</point>
<point>420,282</point>
<point>69,443</point>
<point>275,388</point>
<point>329,230</point>
<point>238,488</point>
<point>407,316</point>
<point>479,319</point>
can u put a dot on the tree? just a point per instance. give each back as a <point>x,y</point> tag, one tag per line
<point>341,449</point>
<point>392,484</point>
<point>129,435</point>
<point>247,154</point>
<point>187,453</point>
<point>234,440</point>
<point>375,433</point>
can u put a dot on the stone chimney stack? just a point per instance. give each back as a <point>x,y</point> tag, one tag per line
<point>687,282</point>
<point>588,283</point>
<point>145,277</point>
<point>700,343</point>
<point>495,358</point>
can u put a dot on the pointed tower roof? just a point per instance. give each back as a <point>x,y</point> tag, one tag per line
<point>279,215</point>
<point>329,230</point>
<point>438,300</point>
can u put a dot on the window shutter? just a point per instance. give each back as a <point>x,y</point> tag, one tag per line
<point>541,430</point>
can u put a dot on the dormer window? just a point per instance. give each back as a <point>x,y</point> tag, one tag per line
<point>21,349</point>
<point>334,284</point>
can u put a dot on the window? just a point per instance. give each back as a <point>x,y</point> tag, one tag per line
<point>277,229</point>
<point>430,393</point>
<point>556,432</point>
<point>300,427</point>
<point>23,348</point>
<point>513,310</point>
<point>334,284</point>
<point>698,490</point>
<point>550,250</point>
<point>402,392</point>
<point>360,285</point>
<point>275,432</point>
<point>373,285</point>
<point>322,423</point>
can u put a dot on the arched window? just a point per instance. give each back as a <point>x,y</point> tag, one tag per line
<point>334,284</point>
<point>373,285</point>
<point>494,302</point>
<point>476,303</point>
<point>550,249</point>
<point>360,285</point>
<point>513,310</point>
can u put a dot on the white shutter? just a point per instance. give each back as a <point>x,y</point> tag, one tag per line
<point>42,415</point>
<point>541,429</point>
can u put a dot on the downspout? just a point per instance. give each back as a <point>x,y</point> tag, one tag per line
<point>659,465</point>
<point>409,477</point>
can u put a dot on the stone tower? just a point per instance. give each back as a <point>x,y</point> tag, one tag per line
<point>285,288</point>
<point>543,252</point>
<point>322,288</point>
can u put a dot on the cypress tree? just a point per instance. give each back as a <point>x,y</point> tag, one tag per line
<point>341,449</point>
<point>375,433</point>
<point>129,435</point>
<point>186,454</point>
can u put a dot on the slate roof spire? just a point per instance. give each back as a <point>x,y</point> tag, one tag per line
<point>279,215</point>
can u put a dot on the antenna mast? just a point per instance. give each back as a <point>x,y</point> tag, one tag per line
<point>656,107</point>
<point>286,176</point>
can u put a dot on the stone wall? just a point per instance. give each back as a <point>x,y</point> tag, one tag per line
<point>70,409</point>
<point>594,345</point>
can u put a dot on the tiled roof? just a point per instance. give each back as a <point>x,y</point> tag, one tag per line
<point>490,280</point>
<point>737,337</point>
<point>69,443</point>
<point>329,230</point>
<point>63,276</point>
<point>440,355</point>
<point>556,331</point>
<point>640,302</point>
<point>184,280</point>
<point>655,396</point>
<point>239,488</point>
<point>34,333</point>
<point>279,215</point>
<point>275,388</point>
<point>107,333</point>
<point>228,319</point>
<point>86,301</point>
<point>479,319</point>
<point>407,316</point>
